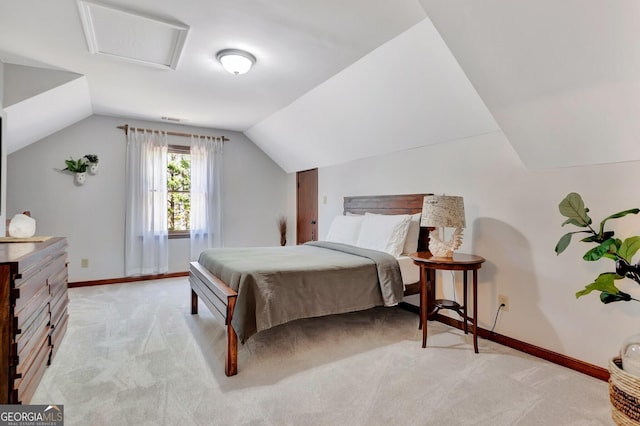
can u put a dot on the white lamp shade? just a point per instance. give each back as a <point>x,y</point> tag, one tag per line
<point>236,61</point>
<point>443,211</point>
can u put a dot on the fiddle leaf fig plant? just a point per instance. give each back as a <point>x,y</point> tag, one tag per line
<point>607,246</point>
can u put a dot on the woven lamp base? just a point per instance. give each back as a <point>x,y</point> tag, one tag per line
<point>624,393</point>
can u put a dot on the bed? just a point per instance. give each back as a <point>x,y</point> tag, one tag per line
<point>311,282</point>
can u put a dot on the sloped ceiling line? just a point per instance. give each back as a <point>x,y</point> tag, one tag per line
<point>407,93</point>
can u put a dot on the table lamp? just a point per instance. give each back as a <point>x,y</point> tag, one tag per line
<point>443,211</point>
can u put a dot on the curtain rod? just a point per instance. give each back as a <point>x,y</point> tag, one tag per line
<point>126,128</point>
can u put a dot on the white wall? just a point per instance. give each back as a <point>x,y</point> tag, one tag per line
<point>91,216</point>
<point>513,221</point>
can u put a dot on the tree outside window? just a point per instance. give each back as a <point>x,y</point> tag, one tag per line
<point>179,190</point>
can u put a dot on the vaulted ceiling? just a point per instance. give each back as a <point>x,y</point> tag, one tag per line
<point>336,80</point>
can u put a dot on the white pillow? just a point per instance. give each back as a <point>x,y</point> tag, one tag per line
<point>384,232</point>
<point>413,234</point>
<point>345,229</point>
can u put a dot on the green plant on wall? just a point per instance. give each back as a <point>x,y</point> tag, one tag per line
<point>606,246</point>
<point>92,158</point>
<point>76,166</point>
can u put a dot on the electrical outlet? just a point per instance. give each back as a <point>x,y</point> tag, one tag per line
<point>84,263</point>
<point>503,300</point>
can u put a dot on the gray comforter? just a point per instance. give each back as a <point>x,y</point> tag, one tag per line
<point>280,284</point>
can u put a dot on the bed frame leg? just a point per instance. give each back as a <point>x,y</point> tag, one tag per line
<point>231,362</point>
<point>194,302</point>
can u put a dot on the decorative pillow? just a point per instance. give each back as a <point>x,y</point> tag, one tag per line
<point>384,232</point>
<point>413,234</point>
<point>345,229</point>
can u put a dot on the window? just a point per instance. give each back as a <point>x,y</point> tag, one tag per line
<point>178,190</point>
<point>192,175</point>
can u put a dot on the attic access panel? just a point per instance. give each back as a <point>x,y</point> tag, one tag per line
<point>132,36</point>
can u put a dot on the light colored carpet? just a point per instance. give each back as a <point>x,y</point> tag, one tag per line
<point>134,355</point>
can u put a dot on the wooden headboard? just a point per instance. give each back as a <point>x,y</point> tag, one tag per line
<point>390,204</point>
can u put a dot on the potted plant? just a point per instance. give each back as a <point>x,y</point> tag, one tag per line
<point>607,246</point>
<point>624,381</point>
<point>92,159</point>
<point>79,168</point>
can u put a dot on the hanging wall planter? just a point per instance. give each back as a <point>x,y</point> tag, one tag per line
<point>78,168</point>
<point>92,159</point>
<point>80,178</point>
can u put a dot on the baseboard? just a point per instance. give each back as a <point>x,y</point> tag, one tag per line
<point>127,279</point>
<point>554,357</point>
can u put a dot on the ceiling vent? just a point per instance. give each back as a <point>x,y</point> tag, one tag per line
<point>132,36</point>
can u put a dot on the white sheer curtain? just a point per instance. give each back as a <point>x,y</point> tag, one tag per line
<point>206,194</point>
<point>146,223</point>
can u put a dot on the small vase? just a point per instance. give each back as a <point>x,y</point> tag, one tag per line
<point>630,354</point>
<point>93,168</point>
<point>80,178</point>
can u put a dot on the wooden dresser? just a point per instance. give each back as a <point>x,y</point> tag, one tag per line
<point>33,313</point>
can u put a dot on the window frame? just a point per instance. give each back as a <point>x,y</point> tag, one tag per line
<point>178,149</point>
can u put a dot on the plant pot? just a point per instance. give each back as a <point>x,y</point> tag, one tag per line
<point>93,168</point>
<point>80,178</point>
<point>624,394</point>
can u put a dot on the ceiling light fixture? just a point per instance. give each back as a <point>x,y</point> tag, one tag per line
<point>236,61</point>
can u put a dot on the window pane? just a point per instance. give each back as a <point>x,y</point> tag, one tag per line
<point>179,169</point>
<point>179,186</point>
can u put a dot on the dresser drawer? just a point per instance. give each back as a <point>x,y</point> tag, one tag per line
<point>58,281</point>
<point>30,311</point>
<point>28,353</point>
<point>28,287</point>
<point>43,258</point>
<point>58,308</point>
<point>57,334</point>
<point>25,340</point>
<point>25,386</point>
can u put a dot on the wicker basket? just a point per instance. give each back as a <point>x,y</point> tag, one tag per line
<point>624,393</point>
